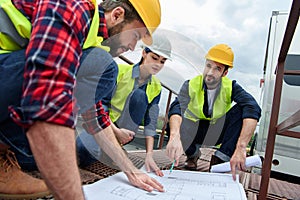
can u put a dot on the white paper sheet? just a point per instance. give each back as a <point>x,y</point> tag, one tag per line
<point>179,185</point>
<point>251,161</point>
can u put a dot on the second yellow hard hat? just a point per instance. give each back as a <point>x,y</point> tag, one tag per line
<point>150,12</point>
<point>221,53</point>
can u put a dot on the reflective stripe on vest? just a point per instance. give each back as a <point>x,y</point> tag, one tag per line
<point>125,85</point>
<point>221,105</point>
<point>15,29</point>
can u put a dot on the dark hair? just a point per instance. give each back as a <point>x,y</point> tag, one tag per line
<point>130,13</point>
<point>226,68</point>
<point>147,50</point>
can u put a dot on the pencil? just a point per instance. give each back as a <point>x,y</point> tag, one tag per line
<point>172,166</point>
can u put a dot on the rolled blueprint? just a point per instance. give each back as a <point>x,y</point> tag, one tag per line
<point>251,161</point>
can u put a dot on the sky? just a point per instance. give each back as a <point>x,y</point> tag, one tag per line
<point>193,26</point>
<point>242,24</point>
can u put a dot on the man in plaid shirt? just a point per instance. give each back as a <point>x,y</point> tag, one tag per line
<point>42,108</point>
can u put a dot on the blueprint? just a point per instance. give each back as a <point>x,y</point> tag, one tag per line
<point>179,185</point>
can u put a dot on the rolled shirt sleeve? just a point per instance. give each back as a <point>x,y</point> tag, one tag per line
<point>94,122</point>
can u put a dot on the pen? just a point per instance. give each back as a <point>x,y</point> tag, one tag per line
<point>172,166</point>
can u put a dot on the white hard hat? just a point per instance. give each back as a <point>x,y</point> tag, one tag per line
<point>160,45</point>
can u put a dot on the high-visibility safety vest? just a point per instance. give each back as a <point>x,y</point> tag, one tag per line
<point>221,106</point>
<point>125,85</point>
<point>15,29</point>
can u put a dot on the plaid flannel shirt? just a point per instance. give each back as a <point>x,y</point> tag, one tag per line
<point>59,29</point>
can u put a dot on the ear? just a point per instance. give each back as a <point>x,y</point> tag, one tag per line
<point>117,15</point>
<point>225,73</point>
<point>144,53</point>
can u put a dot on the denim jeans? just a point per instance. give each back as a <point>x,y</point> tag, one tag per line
<point>11,79</point>
<point>225,131</point>
<point>100,68</point>
<point>134,111</point>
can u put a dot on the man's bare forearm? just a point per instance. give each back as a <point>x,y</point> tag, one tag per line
<point>175,123</point>
<point>53,147</point>
<point>107,140</point>
<point>149,144</point>
<point>238,158</point>
<point>174,147</point>
<point>247,131</point>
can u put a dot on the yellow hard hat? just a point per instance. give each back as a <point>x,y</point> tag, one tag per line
<point>221,53</point>
<point>150,12</point>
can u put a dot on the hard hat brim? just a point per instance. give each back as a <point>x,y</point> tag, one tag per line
<point>162,54</point>
<point>230,65</point>
<point>157,52</point>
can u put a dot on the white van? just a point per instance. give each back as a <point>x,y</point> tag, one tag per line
<point>286,158</point>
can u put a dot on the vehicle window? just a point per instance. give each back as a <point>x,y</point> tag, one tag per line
<point>292,62</point>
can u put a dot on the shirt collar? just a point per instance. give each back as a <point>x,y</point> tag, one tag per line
<point>102,31</point>
<point>136,73</point>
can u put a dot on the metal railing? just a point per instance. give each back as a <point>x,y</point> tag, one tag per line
<point>294,119</point>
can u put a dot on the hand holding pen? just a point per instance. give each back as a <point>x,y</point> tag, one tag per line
<point>172,166</point>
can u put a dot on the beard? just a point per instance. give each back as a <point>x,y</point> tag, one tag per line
<point>114,39</point>
<point>212,83</point>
